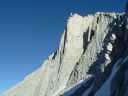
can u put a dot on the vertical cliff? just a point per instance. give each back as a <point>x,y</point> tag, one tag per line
<point>92,60</point>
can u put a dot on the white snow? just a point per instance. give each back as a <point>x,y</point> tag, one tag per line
<point>77,86</point>
<point>105,89</point>
<point>125,59</point>
<point>86,93</point>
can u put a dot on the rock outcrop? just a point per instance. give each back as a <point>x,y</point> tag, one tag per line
<point>92,60</point>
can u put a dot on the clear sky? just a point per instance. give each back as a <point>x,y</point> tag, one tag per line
<point>30,31</point>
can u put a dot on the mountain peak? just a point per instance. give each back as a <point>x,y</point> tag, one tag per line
<point>91,60</point>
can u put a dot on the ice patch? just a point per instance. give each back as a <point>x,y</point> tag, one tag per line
<point>105,89</point>
<point>77,86</point>
<point>86,93</point>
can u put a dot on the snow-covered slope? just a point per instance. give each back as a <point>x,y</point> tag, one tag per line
<point>91,60</point>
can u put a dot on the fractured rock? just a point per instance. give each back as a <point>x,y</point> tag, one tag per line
<point>90,47</point>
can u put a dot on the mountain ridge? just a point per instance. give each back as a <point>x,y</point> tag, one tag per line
<point>92,50</point>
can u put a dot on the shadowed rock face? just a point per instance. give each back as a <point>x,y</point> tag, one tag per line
<point>92,60</point>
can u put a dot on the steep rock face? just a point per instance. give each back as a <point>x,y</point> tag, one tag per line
<point>53,76</point>
<point>98,58</point>
<point>91,60</point>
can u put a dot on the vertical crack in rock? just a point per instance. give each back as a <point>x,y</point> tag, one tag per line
<point>85,40</point>
<point>65,40</point>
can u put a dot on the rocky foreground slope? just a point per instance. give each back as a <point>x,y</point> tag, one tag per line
<point>92,60</point>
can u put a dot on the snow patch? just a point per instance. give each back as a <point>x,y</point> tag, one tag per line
<point>86,93</point>
<point>105,89</point>
<point>75,87</point>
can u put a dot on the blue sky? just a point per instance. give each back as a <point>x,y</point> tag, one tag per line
<point>30,31</point>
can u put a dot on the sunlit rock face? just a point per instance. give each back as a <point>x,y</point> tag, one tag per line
<point>92,60</point>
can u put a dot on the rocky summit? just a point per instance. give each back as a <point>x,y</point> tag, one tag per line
<point>92,60</point>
